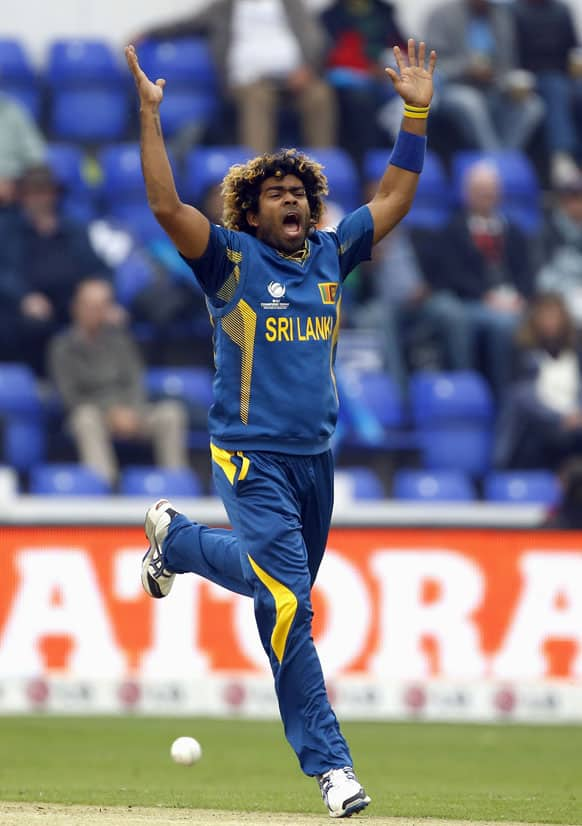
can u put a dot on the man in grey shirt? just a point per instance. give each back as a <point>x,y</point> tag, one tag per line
<point>98,372</point>
<point>479,87</point>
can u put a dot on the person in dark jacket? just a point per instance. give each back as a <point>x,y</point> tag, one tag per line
<point>560,247</point>
<point>547,47</point>
<point>43,257</point>
<point>567,515</point>
<point>361,33</point>
<point>485,270</point>
<point>480,90</point>
<point>541,422</point>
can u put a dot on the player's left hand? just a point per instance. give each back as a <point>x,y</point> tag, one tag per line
<point>413,83</point>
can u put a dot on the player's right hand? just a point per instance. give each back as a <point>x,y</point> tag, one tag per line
<point>150,94</point>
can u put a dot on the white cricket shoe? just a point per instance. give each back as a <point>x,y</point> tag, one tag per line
<point>341,792</point>
<point>157,580</point>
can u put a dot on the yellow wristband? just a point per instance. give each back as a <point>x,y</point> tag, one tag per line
<point>417,112</point>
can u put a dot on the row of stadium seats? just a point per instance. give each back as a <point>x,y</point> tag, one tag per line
<point>91,100</point>
<point>90,91</point>
<point>121,192</point>
<point>447,419</point>
<point>358,483</point>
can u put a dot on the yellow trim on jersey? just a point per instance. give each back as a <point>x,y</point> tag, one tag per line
<point>240,326</point>
<point>285,608</point>
<point>300,256</point>
<point>334,338</point>
<point>234,255</point>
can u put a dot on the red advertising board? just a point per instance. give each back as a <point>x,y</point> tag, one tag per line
<point>389,603</point>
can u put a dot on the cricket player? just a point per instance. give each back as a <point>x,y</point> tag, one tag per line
<point>274,288</point>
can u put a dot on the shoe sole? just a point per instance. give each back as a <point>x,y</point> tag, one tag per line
<point>354,808</point>
<point>150,585</point>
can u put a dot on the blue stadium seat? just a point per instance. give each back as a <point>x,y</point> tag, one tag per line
<point>182,62</point>
<point>24,441</point>
<point>138,219</point>
<point>462,395</point>
<point>156,482</point>
<point>14,62</point>
<point>360,483</point>
<point>22,414</point>
<point>123,192</point>
<point>372,391</point>
<point>342,176</point>
<point>453,413</point>
<point>26,94</point>
<point>66,480</point>
<point>464,447</point>
<point>207,165</point>
<point>18,76</point>
<point>441,486</point>
<point>193,384</point>
<point>122,175</point>
<point>521,198</point>
<point>132,276</point>
<point>187,108</point>
<point>18,391</point>
<point>372,411</point>
<point>531,486</point>
<point>89,115</point>
<point>66,162</point>
<point>190,98</point>
<point>432,203</point>
<point>80,61</point>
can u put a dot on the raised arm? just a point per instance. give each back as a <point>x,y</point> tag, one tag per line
<point>187,227</point>
<point>397,188</point>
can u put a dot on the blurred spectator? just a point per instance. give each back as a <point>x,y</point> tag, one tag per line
<point>266,51</point>
<point>485,269</point>
<point>212,203</point>
<point>98,373</point>
<point>561,247</point>
<point>541,422</point>
<point>362,34</point>
<point>568,514</point>
<point>21,146</point>
<point>547,47</point>
<point>46,256</point>
<point>491,104</point>
<point>404,311</point>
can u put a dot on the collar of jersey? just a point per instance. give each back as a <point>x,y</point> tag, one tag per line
<point>299,257</point>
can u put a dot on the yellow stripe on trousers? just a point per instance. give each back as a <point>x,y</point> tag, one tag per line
<point>285,608</point>
<point>223,459</point>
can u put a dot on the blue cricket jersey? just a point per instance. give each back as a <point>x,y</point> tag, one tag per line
<point>276,322</point>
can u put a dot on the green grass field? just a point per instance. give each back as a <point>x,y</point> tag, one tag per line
<point>449,771</point>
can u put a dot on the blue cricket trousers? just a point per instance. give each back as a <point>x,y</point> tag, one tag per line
<point>280,509</point>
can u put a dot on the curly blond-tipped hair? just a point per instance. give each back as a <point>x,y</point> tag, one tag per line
<point>241,186</point>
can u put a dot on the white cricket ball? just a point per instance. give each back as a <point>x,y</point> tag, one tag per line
<point>186,750</point>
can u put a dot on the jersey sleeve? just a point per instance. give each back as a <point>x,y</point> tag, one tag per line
<point>354,235</point>
<point>214,268</point>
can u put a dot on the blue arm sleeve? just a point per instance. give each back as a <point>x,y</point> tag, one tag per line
<point>213,268</point>
<point>354,235</point>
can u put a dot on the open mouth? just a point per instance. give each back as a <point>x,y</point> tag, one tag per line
<point>292,222</point>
